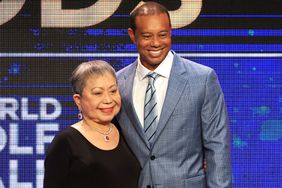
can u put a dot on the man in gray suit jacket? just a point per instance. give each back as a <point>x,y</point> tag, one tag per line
<point>190,123</point>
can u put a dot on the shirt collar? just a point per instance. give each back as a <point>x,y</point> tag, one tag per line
<point>163,69</point>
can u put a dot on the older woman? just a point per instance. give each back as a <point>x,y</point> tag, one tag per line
<point>92,152</point>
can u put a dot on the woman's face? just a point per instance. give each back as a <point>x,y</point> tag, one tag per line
<point>100,100</point>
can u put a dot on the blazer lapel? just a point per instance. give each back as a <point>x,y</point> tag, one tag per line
<point>177,82</point>
<point>126,87</point>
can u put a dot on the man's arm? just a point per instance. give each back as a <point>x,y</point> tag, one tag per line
<point>216,135</point>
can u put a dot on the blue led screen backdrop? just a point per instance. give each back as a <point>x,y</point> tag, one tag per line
<point>42,42</point>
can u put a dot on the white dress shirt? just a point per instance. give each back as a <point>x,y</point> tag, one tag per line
<point>141,82</point>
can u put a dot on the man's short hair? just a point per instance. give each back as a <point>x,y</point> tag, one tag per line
<point>148,8</point>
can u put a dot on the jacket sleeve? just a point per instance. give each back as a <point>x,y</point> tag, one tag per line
<point>216,135</point>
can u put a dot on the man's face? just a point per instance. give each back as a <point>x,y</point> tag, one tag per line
<point>152,38</point>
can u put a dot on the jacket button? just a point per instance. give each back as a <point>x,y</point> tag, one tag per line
<point>153,157</point>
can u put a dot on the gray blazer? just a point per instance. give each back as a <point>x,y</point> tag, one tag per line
<point>193,126</point>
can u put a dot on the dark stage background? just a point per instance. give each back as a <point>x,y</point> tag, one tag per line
<point>41,41</point>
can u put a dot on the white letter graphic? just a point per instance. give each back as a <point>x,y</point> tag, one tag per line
<point>14,176</point>
<point>43,108</point>
<point>54,16</point>
<point>8,106</point>
<point>41,138</point>
<point>3,139</point>
<point>9,9</point>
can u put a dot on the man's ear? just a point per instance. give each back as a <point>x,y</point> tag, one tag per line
<point>131,35</point>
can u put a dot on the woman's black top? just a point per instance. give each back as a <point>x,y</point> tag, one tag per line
<point>73,162</point>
